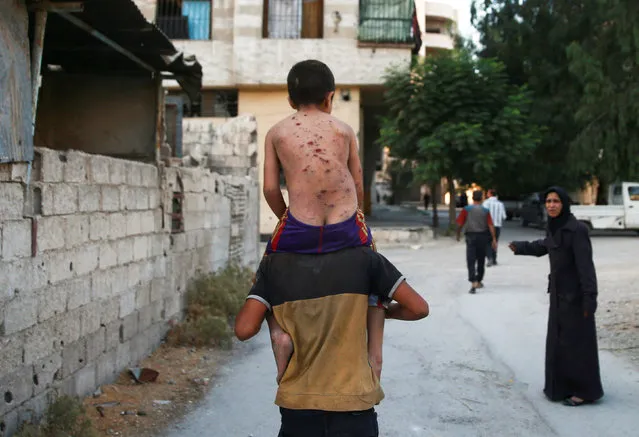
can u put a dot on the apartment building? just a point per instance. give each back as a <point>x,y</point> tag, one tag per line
<point>438,22</point>
<point>246,48</point>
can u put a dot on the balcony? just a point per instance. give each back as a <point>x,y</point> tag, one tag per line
<point>387,22</point>
<point>187,19</point>
<point>440,10</point>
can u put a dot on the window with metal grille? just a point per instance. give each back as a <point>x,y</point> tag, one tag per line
<point>212,103</point>
<point>184,19</point>
<point>293,19</point>
<point>386,21</point>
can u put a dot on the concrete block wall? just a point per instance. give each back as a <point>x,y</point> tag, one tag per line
<point>90,272</point>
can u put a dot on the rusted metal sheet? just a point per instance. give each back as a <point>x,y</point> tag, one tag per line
<point>16,139</point>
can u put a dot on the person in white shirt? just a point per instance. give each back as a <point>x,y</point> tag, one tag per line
<point>498,214</point>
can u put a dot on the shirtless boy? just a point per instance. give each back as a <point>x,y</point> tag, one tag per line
<point>319,157</point>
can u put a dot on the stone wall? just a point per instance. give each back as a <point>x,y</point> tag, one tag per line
<point>89,280</point>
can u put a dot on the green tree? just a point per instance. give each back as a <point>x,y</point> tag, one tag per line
<point>458,117</point>
<point>606,65</point>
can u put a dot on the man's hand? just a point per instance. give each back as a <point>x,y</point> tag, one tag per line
<point>494,244</point>
<point>512,247</point>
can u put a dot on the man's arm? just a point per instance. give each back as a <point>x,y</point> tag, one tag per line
<point>461,221</point>
<point>355,167</point>
<point>491,228</point>
<point>272,190</point>
<point>249,320</point>
<point>409,304</point>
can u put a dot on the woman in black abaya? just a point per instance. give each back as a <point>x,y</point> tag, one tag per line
<point>572,360</point>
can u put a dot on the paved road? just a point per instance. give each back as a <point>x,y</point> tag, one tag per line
<point>474,367</point>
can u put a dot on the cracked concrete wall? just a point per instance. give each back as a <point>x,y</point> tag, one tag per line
<point>90,281</point>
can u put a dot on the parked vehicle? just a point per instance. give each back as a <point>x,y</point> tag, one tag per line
<point>621,213</point>
<point>513,206</point>
<point>533,211</point>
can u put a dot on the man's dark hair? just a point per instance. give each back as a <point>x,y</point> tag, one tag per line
<point>477,195</point>
<point>492,193</point>
<point>309,82</point>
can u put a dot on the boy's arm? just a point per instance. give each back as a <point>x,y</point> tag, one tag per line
<point>249,320</point>
<point>355,167</point>
<point>272,191</point>
<point>409,304</point>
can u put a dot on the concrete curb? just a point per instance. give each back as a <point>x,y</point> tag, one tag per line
<point>401,236</point>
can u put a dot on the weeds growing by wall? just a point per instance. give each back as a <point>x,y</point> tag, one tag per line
<point>212,302</point>
<point>66,417</point>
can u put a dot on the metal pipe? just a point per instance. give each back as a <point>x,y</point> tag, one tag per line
<point>97,34</point>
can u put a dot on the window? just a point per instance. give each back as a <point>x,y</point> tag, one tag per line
<point>433,30</point>
<point>212,103</point>
<point>387,21</point>
<point>184,19</point>
<point>633,193</point>
<point>293,19</point>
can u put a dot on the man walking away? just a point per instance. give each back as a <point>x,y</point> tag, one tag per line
<point>479,231</point>
<point>498,214</point>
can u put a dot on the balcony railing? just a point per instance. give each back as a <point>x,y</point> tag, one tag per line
<point>386,21</point>
<point>187,19</point>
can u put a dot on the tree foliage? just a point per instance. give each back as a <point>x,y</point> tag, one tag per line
<point>579,60</point>
<point>457,116</point>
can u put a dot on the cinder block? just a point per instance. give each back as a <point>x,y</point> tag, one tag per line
<point>99,226</point>
<point>178,243</point>
<point>68,327</point>
<point>140,247</point>
<point>124,250</point>
<point>114,334</point>
<point>110,198</point>
<point>11,356</point>
<point>133,223</point>
<point>127,304</point>
<point>40,341</point>
<point>159,243</point>
<point>19,172</point>
<point>21,312</point>
<point>46,371</point>
<point>90,318</point>
<point>150,175</point>
<point>106,371</point>
<point>157,308</point>
<point>145,318</point>
<point>172,307</point>
<point>65,199</point>
<point>117,171</point>
<point>101,286</point>
<point>16,239</point>
<point>161,220</point>
<point>143,295</point>
<point>147,222</point>
<point>52,165</point>
<point>133,275</point>
<point>141,198</point>
<point>89,198</point>
<point>84,381</point>
<point>79,292</point>
<point>16,387</point>
<point>122,277</point>
<point>108,255</point>
<point>140,347</point>
<point>99,169</point>
<point>51,233</point>
<point>74,357</point>
<point>159,269</point>
<point>35,408</point>
<point>127,198</point>
<point>12,204</point>
<point>76,230</point>
<point>123,356</point>
<point>129,326</point>
<point>134,174</point>
<point>51,302</point>
<point>60,265</point>
<point>11,423</point>
<point>117,225</point>
<point>75,169</point>
<point>154,198</point>
<point>110,311</point>
<point>158,289</point>
<point>86,259</point>
<point>96,343</point>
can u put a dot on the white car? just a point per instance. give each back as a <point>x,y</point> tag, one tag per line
<point>622,212</point>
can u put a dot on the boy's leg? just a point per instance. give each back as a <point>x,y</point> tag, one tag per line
<point>282,345</point>
<point>375,327</point>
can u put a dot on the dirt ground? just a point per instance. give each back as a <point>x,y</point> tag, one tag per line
<point>129,409</point>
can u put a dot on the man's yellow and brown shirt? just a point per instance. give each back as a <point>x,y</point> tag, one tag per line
<point>321,301</point>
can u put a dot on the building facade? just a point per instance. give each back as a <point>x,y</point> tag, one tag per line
<point>246,48</point>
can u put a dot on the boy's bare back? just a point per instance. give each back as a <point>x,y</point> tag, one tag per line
<point>319,156</point>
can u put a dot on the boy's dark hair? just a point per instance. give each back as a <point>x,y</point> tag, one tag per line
<point>477,195</point>
<point>309,82</point>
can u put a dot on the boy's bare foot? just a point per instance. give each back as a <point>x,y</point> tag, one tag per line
<point>283,350</point>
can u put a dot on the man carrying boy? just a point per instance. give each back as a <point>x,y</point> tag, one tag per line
<point>319,157</point>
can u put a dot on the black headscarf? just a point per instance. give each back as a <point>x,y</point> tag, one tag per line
<point>560,221</point>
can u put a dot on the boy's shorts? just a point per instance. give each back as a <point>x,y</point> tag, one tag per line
<point>294,236</point>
